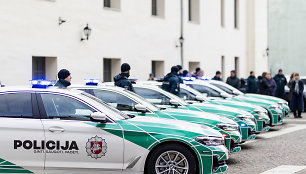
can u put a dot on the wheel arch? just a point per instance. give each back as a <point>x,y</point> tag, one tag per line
<point>173,142</point>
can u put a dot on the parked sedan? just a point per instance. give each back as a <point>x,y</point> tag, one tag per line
<point>132,103</point>
<point>56,130</point>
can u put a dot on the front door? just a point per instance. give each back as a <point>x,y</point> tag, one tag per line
<point>75,143</point>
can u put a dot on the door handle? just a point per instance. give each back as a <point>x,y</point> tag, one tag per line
<point>56,129</point>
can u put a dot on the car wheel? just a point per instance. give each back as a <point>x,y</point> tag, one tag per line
<point>171,158</point>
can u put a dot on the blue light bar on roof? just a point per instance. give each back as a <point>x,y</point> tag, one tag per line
<point>41,83</point>
<point>92,82</point>
<point>205,78</point>
<point>189,78</point>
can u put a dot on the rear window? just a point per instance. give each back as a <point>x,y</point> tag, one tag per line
<point>16,105</point>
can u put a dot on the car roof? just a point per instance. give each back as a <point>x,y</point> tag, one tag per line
<point>30,89</point>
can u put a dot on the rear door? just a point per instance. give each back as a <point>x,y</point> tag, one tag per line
<point>22,134</point>
<point>74,142</point>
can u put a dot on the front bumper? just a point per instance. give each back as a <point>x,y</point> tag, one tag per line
<point>276,117</point>
<point>248,132</point>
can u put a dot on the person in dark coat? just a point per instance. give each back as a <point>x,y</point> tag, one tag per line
<point>217,76</point>
<point>185,73</point>
<point>268,85</point>
<point>233,80</point>
<point>252,83</point>
<point>197,74</point>
<point>260,89</point>
<point>297,101</point>
<point>180,73</point>
<point>121,79</point>
<point>171,81</point>
<point>281,82</point>
<point>64,79</point>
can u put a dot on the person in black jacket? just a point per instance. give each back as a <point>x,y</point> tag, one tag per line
<point>217,76</point>
<point>297,101</point>
<point>180,73</point>
<point>252,83</point>
<point>233,80</point>
<point>121,79</point>
<point>281,82</point>
<point>171,81</point>
<point>64,79</point>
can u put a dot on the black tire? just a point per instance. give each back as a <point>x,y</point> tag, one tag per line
<point>154,158</point>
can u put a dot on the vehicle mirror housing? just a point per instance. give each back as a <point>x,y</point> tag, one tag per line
<point>200,98</point>
<point>236,92</point>
<point>99,116</point>
<point>174,103</point>
<point>140,108</point>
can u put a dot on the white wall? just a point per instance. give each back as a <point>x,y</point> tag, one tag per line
<point>30,28</point>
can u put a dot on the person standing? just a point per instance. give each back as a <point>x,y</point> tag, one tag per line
<point>233,80</point>
<point>281,82</point>
<point>217,76</point>
<point>268,85</point>
<point>252,83</point>
<point>64,79</point>
<point>121,79</point>
<point>196,73</point>
<point>260,89</point>
<point>292,77</point>
<point>180,73</point>
<point>297,101</point>
<point>171,81</point>
<point>151,77</point>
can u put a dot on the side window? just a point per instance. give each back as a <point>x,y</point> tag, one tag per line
<point>16,105</point>
<point>152,96</point>
<point>116,100</point>
<point>186,95</point>
<point>62,107</point>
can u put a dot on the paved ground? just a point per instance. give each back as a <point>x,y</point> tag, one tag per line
<point>282,150</point>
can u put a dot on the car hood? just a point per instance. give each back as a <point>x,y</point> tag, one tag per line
<point>173,127</point>
<point>271,98</point>
<point>196,116</point>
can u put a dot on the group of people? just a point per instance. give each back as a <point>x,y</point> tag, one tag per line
<point>275,86</point>
<point>264,84</point>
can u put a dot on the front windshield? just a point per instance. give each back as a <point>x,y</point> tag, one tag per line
<point>143,101</point>
<point>118,114</point>
<point>227,90</point>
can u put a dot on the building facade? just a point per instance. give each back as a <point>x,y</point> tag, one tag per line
<point>218,35</point>
<point>287,41</point>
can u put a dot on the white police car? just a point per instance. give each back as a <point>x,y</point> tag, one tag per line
<point>56,130</point>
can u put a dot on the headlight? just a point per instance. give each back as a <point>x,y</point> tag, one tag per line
<point>227,127</point>
<point>210,141</point>
<point>245,118</point>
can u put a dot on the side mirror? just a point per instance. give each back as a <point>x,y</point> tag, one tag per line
<point>140,108</point>
<point>200,98</point>
<point>99,116</point>
<point>174,103</point>
<point>236,92</point>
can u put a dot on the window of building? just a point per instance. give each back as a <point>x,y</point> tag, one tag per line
<point>194,11</point>
<point>193,66</point>
<point>16,105</point>
<point>158,8</point>
<point>44,68</point>
<point>111,67</point>
<point>223,67</point>
<point>237,65</point>
<point>158,68</point>
<point>222,14</point>
<point>236,14</point>
<point>112,4</point>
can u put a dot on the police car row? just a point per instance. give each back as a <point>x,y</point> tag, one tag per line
<point>102,128</point>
